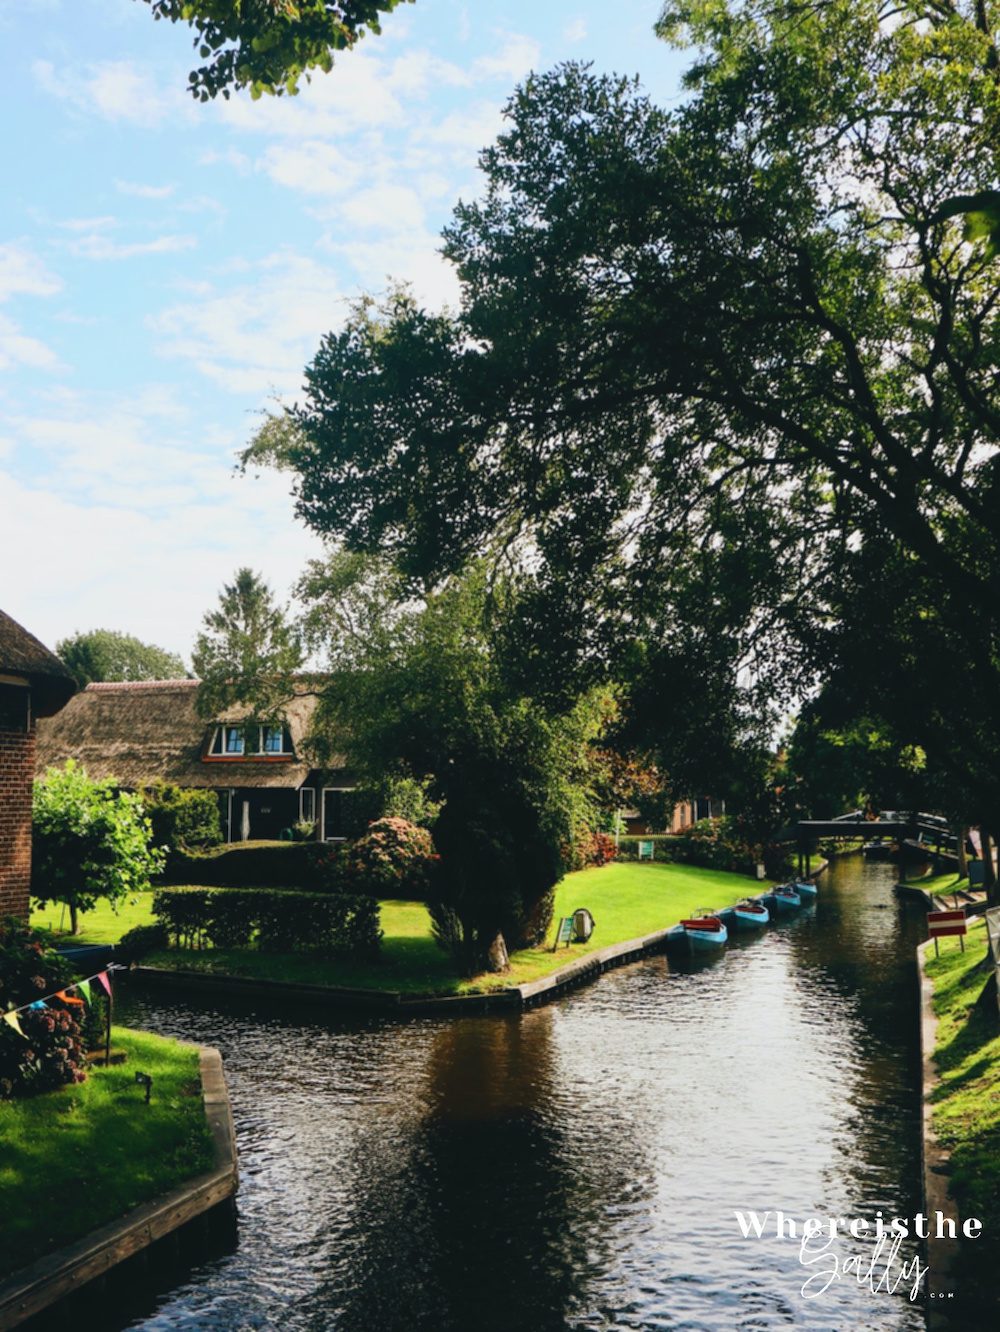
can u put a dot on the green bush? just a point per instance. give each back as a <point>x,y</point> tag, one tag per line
<point>663,848</point>
<point>394,858</point>
<point>301,865</point>
<point>182,819</point>
<point>724,844</point>
<point>136,943</point>
<point>273,920</point>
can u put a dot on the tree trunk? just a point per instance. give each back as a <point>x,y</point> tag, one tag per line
<point>74,919</point>
<point>989,869</point>
<point>496,955</point>
<point>963,859</point>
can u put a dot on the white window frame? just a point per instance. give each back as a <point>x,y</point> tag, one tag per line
<point>304,791</point>
<point>220,738</point>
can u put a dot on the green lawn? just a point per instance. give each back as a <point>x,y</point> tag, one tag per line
<point>945,884</point>
<point>967,1054</point>
<point>76,1158</point>
<point>100,926</point>
<point>627,901</point>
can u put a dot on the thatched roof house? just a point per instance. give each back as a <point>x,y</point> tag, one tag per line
<point>141,732</point>
<point>28,661</point>
<point>33,683</point>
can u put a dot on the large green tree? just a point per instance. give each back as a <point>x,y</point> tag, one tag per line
<point>424,691</point>
<point>748,345</point>
<point>246,650</point>
<point>268,45</point>
<point>105,654</point>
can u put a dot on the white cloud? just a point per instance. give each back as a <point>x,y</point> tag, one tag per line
<point>18,349</point>
<point>120,91</point>
<point>256,336</point>
<point>140,191</point>
<point>517,57</point>
<point>22,272</point>
<point>575,31</point>
<point>384,208</point>
<point>98,246</point>
<point>313,167</point>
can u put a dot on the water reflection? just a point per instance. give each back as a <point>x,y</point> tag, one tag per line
<point>577,1166</point>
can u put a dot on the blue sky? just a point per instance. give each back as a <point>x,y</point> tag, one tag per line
<point>167,267</point>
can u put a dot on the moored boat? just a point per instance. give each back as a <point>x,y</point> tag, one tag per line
<point>749,914</point>
<point>806,890</point>
<point>786,898</point>
<point>704,932</point>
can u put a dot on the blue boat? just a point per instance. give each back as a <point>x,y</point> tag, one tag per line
<point>749,915</point>
<point>807,891</point>
<point>786,898</point>
<point>705,932</point>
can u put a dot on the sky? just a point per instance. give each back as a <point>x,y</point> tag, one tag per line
<point>168,268</point>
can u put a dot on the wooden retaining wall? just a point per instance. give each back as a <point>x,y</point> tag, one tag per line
<point>53,1277</point>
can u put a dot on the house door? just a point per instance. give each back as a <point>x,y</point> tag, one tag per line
<point>332,814</point>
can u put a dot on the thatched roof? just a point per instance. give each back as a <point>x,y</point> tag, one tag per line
<point>143,731</point>
<point>22,654</point>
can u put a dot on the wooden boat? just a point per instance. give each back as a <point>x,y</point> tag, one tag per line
<point>705,932</point>
<point>806,890</point>
<point>749,914</point>
<point>786,898</point>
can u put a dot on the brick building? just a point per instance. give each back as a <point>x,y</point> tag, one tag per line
<point>33,683</point>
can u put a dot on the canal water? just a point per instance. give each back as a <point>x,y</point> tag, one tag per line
<point>578,1166</point>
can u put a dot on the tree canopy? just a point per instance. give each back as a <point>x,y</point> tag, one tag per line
<point>105,654</point>
<point>89,840</point>
<point>267,45</point>
<point>719,373</point>
<point>246,649</point>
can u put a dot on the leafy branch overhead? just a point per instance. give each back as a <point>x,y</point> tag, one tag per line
<point>267,45</point>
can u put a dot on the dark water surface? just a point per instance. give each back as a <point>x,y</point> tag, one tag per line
<point>577,1166</point>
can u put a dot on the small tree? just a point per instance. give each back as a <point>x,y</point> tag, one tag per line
<point>90,841</point>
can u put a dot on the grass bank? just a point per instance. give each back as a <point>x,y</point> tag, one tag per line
<point>103,925</point>
<point>627,901</point>
<point>967,1054</point>
<point>76,1158</point>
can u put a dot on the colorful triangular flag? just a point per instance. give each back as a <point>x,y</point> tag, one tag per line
<point>105,980</point>
<point>68,998</point>
<point>84,988</point>
<point>12,1021</point>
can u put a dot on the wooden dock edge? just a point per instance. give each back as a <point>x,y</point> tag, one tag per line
<point>941,1253</point>
<point>56,1275</point>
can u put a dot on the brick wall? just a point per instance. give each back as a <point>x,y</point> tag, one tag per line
<point>17,768</point>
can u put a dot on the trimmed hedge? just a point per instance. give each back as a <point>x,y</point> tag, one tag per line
<point>273,920</point>
<point>664,847</point>
<point>302,865</point>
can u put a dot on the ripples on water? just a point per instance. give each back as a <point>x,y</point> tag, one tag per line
<point>577,1166</point>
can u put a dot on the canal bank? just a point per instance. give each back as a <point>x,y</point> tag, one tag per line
<point>578,1165</point>
<point>56,1277</point>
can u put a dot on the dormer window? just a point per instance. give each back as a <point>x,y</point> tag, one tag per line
<point>251,742</point>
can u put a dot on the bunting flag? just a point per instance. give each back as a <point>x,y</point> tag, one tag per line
<point>83,987</point>
<point>12,1021</point>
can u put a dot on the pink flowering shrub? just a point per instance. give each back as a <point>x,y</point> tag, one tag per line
<point>394,858</point>
<point>51,1051</point>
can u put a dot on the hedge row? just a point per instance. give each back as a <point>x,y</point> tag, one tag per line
<point>664,848</point>
<point>276,921</point>
<point>304,865</point>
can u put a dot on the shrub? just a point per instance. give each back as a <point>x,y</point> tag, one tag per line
<point>53,1053</point>
<point>589,847</point>
<point>724,844</point>
<point>663,848</point>
<point>275,920</point>
<point>395,858</point>
<point>138,942</point>
<point>302,865</point>
<point>182,819</point>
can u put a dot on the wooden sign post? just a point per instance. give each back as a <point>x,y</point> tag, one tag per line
<point>564,933</point>
<point>942,923</point>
